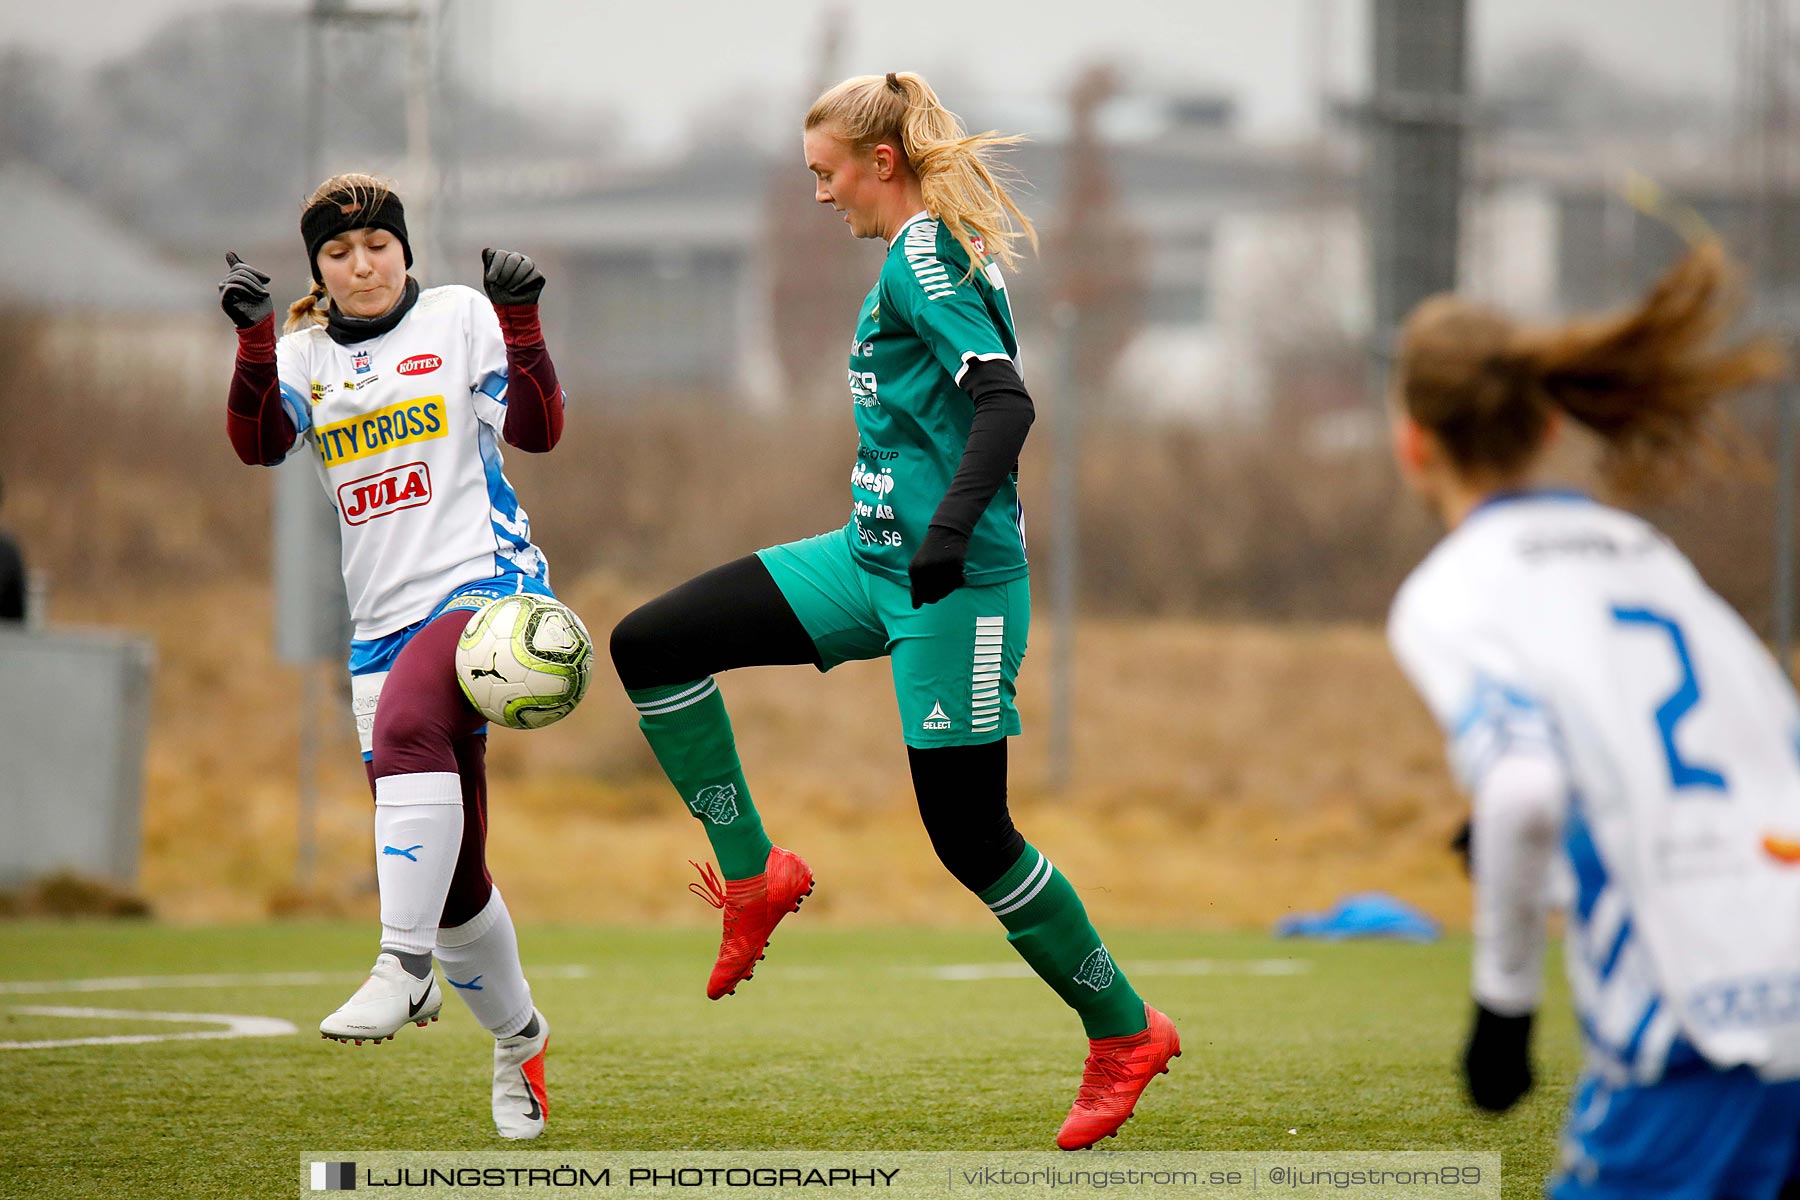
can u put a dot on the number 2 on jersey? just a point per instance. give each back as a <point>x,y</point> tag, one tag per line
<point>1682,773</point>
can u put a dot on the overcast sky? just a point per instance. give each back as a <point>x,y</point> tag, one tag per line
<point>655,64</point>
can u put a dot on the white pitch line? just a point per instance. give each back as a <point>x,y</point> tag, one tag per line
<point>968,972</point>
<point>975,972</point>
<point>144,983</point>
<point>235,1026</point>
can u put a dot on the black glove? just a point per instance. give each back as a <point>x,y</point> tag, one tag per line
<point>244,293</point>
<point>1497,1061</point>
<point>510,277</point>
<point>937,569</point>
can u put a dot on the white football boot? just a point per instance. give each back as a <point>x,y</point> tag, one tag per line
<point>382,1006</point>
<point>521,1102</point>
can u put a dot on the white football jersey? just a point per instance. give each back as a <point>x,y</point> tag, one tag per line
<point>404,429</point>
<point>1548,622</point>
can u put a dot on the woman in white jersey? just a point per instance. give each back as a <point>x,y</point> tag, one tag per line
<point>401,397</point>
<point>1603,705</point>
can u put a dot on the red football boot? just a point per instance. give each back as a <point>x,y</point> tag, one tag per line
<point>1115,1075</point>
<point>752,908</point>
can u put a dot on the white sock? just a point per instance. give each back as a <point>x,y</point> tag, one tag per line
<point>481,963</point>
<point>418,835</point>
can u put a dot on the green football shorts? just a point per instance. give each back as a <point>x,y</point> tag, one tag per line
<point>955,662</point>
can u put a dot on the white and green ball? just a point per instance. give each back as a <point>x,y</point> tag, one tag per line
<point>524,661</point>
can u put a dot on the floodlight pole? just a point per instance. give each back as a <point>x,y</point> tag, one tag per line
<point>1787,429</point>
<point>290,485</point>
<point>1415,128</point>
<point>1065,517</point>
<point>310,615</point>
<point>1765,57</point>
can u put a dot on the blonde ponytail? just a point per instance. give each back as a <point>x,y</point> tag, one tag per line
<point>962,185</point>
<point>1647,380</point>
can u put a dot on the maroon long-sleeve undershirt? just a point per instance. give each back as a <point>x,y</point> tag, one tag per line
<point>261,431</point>
<point>534,399</point>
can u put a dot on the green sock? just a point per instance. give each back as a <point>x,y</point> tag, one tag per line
<point>690,732</point>
<point>1047,924</point>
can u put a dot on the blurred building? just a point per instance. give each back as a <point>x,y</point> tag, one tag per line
<point>1255,280</point>
<point>104,299</point>
<point>682,281</point>
<point>668,272</point>
<point>659,274</point>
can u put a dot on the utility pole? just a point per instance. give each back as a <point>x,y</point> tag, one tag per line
<point>312,625</point>
<point>1766,49</point>
<point>310,616</point>
<point>1415,124</point>
<point>1065,516</point>
<point>1097,286</point>
<point>422,180</point>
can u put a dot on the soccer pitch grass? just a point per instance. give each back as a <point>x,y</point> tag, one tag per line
<point>845,1040</point>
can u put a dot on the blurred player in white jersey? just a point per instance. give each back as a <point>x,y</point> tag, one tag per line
<point>1602,704</point>
<point>401,398</point>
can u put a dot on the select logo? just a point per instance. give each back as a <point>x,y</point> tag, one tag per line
<point>389,491</point>
<point>333,1177</point>
<point>419,364</point>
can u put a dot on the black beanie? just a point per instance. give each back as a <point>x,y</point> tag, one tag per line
<point>349,209</point>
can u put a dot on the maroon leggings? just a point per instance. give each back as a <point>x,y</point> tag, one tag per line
<point>425,723</point>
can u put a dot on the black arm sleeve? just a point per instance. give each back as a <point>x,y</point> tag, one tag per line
<point>1003,416</point>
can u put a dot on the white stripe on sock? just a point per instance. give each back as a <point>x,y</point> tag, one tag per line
<point>683,694</point>
<point>678,704</point>
<point>1029,876</point>
<point>1043,879</point>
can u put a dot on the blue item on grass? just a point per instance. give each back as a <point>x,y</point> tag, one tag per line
<point>1366,914</point>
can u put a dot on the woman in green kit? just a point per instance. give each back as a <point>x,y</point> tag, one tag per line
<point>930,572</point>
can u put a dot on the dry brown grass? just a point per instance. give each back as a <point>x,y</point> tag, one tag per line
<point>1225,775</point>
<point>1227,771</point>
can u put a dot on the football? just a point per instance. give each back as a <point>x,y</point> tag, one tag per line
<point>524,661</point>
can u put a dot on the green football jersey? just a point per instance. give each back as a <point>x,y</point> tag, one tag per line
<point>921,326</point>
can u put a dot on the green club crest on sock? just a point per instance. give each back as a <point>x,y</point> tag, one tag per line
<point>717,803</point>
<point>1096,970</point>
